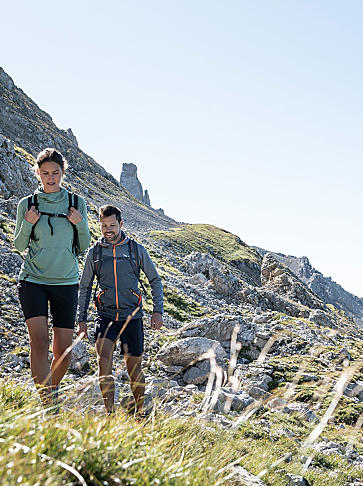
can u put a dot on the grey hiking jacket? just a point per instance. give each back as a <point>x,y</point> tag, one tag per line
<point>118,293</point>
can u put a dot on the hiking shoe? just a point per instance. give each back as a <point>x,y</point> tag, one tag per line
<point>55,400</point>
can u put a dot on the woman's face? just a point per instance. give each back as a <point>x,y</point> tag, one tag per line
<point>50,174</point>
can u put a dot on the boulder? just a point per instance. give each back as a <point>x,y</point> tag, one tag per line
<point>184,352</point>
<point>200,263</point>
<point>228,400</point>
<point>197,279</point>
<point>224,282</point>
<point>198,374</point>
<point>80,357</point>
<point>220,328</point>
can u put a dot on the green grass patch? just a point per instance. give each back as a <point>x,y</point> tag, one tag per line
<point>181,307</point>
<point>206,238</point>
<point>24,155</point>
<point>73,448</point>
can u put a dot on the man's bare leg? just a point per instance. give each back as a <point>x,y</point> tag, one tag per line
<point>39,353</point>
<point>137,379</point>
<point>104,348</point>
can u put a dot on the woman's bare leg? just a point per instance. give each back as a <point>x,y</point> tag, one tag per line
<point>62,340</point>
<point>39,353</point>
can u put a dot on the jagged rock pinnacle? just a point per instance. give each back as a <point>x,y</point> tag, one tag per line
<point>129,181</point>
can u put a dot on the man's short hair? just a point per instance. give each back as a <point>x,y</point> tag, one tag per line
<point>109,210</point>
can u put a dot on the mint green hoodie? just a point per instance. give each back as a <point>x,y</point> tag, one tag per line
<point>50,259</point>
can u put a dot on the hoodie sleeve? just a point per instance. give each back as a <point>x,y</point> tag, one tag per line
<point>85,287</point>
<point>153,277</point>
<point>84,237</point>
<point>23,228</point>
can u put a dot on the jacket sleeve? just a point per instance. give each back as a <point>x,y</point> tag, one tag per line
<point>82,227</point>
<point>85,287</point>
<point>23,228</point>
<point>153,277</point>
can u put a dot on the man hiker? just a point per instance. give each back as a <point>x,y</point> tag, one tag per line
<point>115,260</point>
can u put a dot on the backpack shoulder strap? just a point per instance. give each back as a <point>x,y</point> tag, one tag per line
<point>72,200</point>
<point>33,201</point>
<point>74,204</point>
<point>97,259</point>
<point>135,265</point>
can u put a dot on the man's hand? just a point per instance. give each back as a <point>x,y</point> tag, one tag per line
<point>32,215</point>
<point>74,216</point>
<point>156,320</point>
<point>82,329</point>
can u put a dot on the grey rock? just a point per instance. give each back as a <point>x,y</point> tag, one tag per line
<point>295,480</point>
<point>71,136</point>
<point>329,291</point>
<point>221,328</point>
<point>225,283</point>
<point>198,374</point>
<point>231,401</point>
<point>129,181</point>
<point>320,318</point>
<point>6,80</point>
<point>198,279</point>
<point>184,352</point>
<point>244,478</point>
<point>279,279</point>
<point>258,393</point>
<point>16,175</point>
<point>80,357</point>
<point>200,263</point>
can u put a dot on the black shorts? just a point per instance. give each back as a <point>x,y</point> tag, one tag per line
<point>132,337</point>
<point>63,300</point>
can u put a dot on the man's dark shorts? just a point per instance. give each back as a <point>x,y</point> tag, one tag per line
<point>63,300</point>
<point>132,337</point>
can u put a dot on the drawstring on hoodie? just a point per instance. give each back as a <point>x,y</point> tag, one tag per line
<point>50,225</point>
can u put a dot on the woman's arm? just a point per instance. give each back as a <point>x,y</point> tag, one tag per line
<point>82,227</point>
<point>23,228</point>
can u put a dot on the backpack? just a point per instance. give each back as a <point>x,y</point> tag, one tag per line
<point>72,202</point>
<point>97,262</point>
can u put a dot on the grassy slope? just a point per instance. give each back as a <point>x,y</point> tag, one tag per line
<point>162,451</point>
<point>206,238</point>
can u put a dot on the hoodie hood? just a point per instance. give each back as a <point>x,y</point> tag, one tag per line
<point>52,197</point>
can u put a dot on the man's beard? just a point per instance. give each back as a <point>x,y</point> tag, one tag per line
<point>113,237</point>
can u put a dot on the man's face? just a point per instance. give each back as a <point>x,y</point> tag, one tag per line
<point>110,228</point>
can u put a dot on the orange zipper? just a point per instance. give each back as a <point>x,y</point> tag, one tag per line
<point>137,295</point>
<point>98,297</point>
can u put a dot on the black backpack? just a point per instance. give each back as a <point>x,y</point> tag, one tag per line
<point>97,262</point>
<point>72,202</point>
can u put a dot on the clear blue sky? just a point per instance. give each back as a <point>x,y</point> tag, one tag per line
<point>243,114</point>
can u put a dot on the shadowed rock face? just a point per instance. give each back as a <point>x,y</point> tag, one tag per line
<point>279,279</point>
<point>329,291</point>
<point>129,181</point>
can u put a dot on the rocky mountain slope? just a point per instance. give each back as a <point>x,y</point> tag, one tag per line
<point>329,291</point>
<point>246,340</point>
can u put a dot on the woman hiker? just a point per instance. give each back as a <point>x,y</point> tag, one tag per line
<point>52,224</point>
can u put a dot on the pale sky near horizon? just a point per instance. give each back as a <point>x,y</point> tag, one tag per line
<point>246,115</point>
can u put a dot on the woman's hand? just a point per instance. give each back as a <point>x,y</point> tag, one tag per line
<point>32,215</point>
<point>74,216</point>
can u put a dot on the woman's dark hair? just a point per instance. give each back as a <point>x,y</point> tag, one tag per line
<point>51,155</point>
<point>109,210</point>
